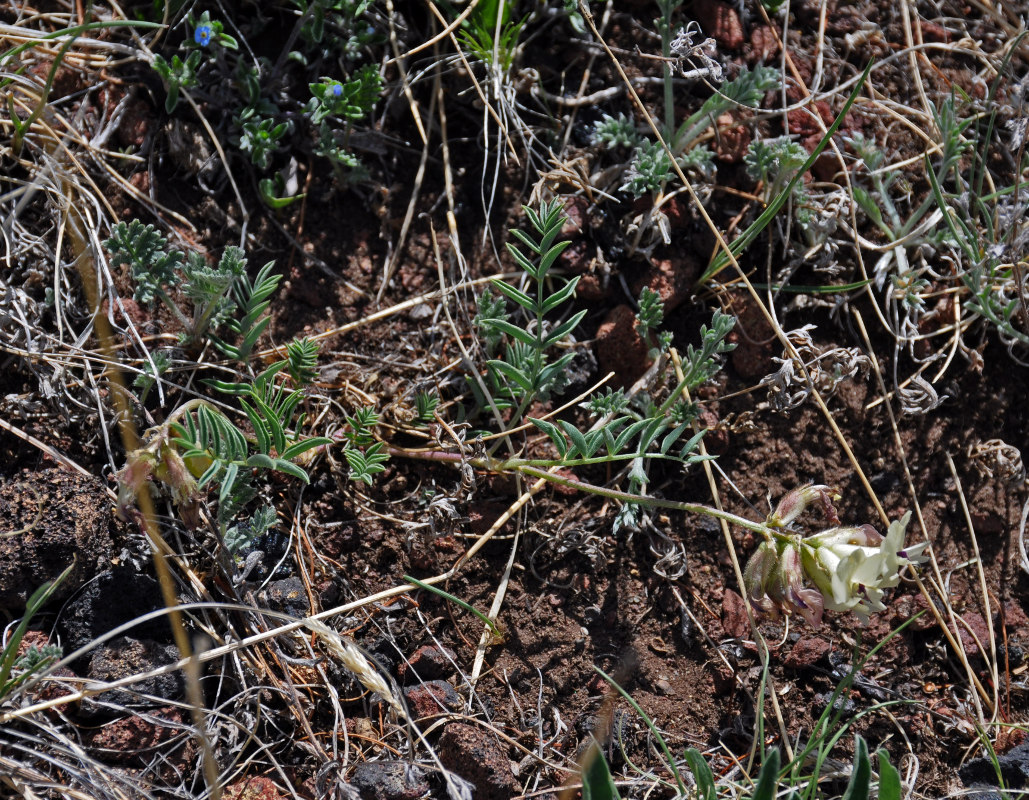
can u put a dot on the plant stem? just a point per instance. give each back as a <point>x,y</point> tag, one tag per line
<point>490,464</point>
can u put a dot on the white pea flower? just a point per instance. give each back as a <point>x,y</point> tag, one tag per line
<point>851,566</point>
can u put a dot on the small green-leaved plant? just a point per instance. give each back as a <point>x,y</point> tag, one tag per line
<point>199,446</point>
<point>14,669</point>
<point>365,456</point>
<point>802,777</point>
<point>491,34</point>
<point>612,133</point>
<point>426,404</point>
<point>528,369</point>
<point>986,228</point>
<point>634,430</point>
<point>181,73</point>
<point>640,429</point>
<point>650,169</point>
<point>242,92</point>
<point>214,294</point>
<point>774,163</point>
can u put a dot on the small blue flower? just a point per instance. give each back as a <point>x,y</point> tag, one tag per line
<point>202,35</point>
<point>337,89</point>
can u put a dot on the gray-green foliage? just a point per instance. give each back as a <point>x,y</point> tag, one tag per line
<point>986,228</point>
<point>650,167</point>
<point>214,293</point>
<point>614,132</point>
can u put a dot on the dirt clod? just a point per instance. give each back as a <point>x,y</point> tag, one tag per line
<point>619,347</point>
<point>431,699</point>
<point>427,663</point>
<point>477,756</point>
<point>50,519</point>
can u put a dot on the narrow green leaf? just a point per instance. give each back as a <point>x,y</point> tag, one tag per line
<point>755,228</point>
<point>210,473</point>
<point>889,778</point>
<point>551,430</point>
<point>264,439</point>
<point>292,469</point>
<point>562,330</point>
<point>693,443</point>
<point>228,484</point>
<point>514,332</point>
<point>274,425</point>
<point>579,445</point>
<point>515,295</point>
<point>525,239</point>
<point>513,374</point>
<point>551,256</point>
<point>672,437</point>
<point>861,773</point>
<point>261,461</point>
<point>524,263</point>
<point>702,775</point>
<point>597,783</point>
<point>561,295</point>
<point>303,445</point>
<point>768,778</point>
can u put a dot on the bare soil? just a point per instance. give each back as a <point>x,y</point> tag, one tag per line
<point>659,608</point>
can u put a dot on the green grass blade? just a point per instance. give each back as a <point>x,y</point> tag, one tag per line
<point>758,225</point>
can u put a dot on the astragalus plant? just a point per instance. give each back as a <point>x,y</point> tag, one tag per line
<point>840,568</point>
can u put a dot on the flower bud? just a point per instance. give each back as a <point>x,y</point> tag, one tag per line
<point>757,577</point>
<point>795,501</point>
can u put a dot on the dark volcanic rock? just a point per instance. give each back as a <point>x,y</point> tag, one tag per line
<point>123,657</point>
<point>389,780</point>
<point>116,597</point>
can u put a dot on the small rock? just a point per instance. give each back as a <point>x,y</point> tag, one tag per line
<point>389,780</point>
<point>733,139</point>
<point>722,677</point>
<point>672,279</point>
<point>114,598</point>
<point>763,44</point>
<point>431,699</point>
<point>51,519</point>
<point>719,21</point>
<point>123,657</point>
<point>977,623</point>
<point>255,788</point>
<point>717,437</point>
<point>807,652</point>
<point>1014,769</point>
<point>287,596</point>
<point>619,347</point>
<point>134,739</point>
<point>662,686</point>
<point>428,663</point>
<point>478,757</point>
<point>734,615</point>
